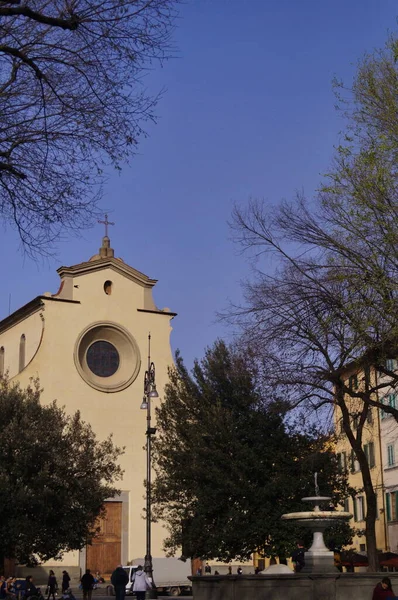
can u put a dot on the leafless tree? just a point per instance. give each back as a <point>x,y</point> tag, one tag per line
<point>71,102</point>
<point>299,322</point>
<point>327,308</point>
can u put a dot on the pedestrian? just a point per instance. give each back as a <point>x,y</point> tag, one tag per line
<point>51,585</point>
<point>229,570</point>
<point>239,570</point>
<point>11,593</point>
<point>383,590</point>
<point>30,588</point>
<point>119,580</point>
<point>141,583</point>
<point>65,581</point>
<point>87,582</point>
<point>3,587</point>
<point>207,569</point>
<point>298,558</point>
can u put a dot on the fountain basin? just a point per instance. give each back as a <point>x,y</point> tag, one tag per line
<point>318,558</point>
<point>319,519</point>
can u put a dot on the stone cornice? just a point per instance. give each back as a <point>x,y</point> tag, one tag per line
<point>157,312</point>
<point>107,263</point>
<point>29,309</point>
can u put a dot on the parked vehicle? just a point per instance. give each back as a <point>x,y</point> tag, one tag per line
<point>170,575</point>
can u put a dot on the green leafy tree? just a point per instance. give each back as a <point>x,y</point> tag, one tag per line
<point>228,466</point>
<point>55,477</point>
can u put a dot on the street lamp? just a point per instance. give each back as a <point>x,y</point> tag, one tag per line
<point>149,393</point>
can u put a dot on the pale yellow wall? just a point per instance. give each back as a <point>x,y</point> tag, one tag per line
<point>371,433</point>
<point>32,328</point>
<point>119,412</point>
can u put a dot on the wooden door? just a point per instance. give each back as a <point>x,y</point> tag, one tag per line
<point>105,551</point>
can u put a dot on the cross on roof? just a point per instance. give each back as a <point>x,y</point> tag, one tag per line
<point>106,223</point>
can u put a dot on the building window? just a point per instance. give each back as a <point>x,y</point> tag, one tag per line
<point>2,361</point>
<point>342,458</point>
<point>369,416</point>
<point>391,364</point>
<point>392,506</point>
<point>346,504</point>
<point>22,352</point>
<point>353,382</point>
<point>341,426</point>
<point>362,547</point>
<point>390,455</point>
<point>392,400</point>
<point>355,422</point>
<point>383,414</point>
<point>360,508</point>
<point>103,359</point>
<point>108,287</point>
<point>370,454</point>
<point>354,465</point>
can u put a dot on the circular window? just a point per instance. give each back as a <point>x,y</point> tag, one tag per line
<point>103,359</point>
<point>107,356</point>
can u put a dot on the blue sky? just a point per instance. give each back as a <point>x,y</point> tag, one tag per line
<point>248,111</point>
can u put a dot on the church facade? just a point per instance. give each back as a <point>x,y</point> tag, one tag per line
<point>88,345</point>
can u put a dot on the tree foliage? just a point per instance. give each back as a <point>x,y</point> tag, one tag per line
<point>328,309</point>
<point>55,477</point>
<point>228,466</point>
<point>71,101</point>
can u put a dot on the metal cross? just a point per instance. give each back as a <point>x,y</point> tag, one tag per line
<point>106,223</point>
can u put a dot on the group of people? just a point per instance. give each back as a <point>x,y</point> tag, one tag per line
<point>12,589</point>
<point>140,580</point>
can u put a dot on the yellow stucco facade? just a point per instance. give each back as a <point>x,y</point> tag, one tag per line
<point>371,442</point>
<point>101,303</point>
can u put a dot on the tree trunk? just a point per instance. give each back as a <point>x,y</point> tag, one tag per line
<point>371,509</point>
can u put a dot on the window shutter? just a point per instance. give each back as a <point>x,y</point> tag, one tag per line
<point>388,507</point>
<point>352,460</point>
<point>354,501</point>
<point>371,455</point>
<point>344,455</point>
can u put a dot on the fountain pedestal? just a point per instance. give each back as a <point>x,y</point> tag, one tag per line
<point>318,559</point>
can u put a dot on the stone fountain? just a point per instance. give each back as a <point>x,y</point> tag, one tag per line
<point>318,558</point>
<point>318,580</point>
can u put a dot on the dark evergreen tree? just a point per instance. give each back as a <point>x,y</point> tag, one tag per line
<point>227,464</point>
<point>55,477</point>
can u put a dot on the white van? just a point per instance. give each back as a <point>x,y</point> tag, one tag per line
<point>170,574</point>
<point>130,570</point>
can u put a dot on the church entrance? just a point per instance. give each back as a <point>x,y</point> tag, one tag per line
<point>105,551</point>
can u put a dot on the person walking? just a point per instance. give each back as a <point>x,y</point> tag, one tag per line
<point>51,585</point>
<point>141,583</point>
<point>87,582</point>
<point>119,580</point>
<point>298,557</point>
<point>30,588</point>
<point>65,581</point>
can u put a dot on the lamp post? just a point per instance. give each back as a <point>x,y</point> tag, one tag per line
<point>149,393</point>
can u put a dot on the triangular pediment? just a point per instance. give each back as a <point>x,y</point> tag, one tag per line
<point>116,264</point>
